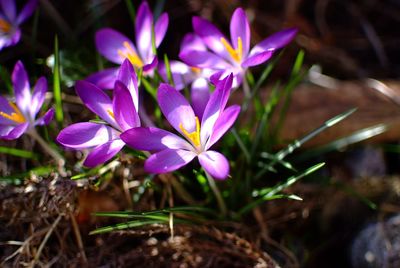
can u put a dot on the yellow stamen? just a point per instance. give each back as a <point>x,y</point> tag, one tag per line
<point>111,113</point>
<point>131,55</point>
<point>195,70</point>
<point>236,54</point>
<point>194,137</point>
<point>16,117</point>
<point>5,27</point>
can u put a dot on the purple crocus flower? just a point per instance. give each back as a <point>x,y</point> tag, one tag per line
<point>172,151</point>
<point>10,21</point>
<point>116,47</point>
<point>234,55</point>
<point>119,114</point>
<point>19,116</point>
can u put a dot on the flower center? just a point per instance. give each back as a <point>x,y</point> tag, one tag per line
<point>236,54</point>
<point>195,70</point>
<point>16,116</point>
<point>194,137</point>
<point>5,27</point>
<point>131,55</point>
<point>111,113</point>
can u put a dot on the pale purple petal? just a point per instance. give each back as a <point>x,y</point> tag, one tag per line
<point>96,100</point>
<point>9,9</point>
<point>109,42</point>
<point>153,139</point>
<point>223,123</point>
<point>46,118</point>
<point>27,11</point>
<point>104,79</point>
<point>103,153</point>
<point>203,59</point>
<point>275,41</point>
<point>221,75</point>
<point>200,94</point>
<point>160,28</point>
<point>215,164</point>
<point>16,132</point>
<point>176,108</point>
<point>86,135</point>
<point>150,67</point>
<point>168,160</point>
<point>214,107</point>
<point>5,129</point>
<point>143,29</point>
<point>210,35</point>
<point>257,59</point>
<point>181,74</point>
<point>192,42</point>
<point>124,110</point>
<point>239,27</point>
<point>128,77</point>
<point>22,89</point>
<point>39,92</point>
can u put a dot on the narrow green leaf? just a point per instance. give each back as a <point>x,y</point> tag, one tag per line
<point>57,84</point>
<point>18,152</point>
<point>241,145</point>
<point>18,178</point>
<point>131,10</point>
<point>169,73</point>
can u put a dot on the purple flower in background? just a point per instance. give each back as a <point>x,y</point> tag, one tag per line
<point>234,55</point>
<point>10,21</point>
<point>172,151</point>
<point>119,114</point>
<point>19,116</point>
<point>116,47</point>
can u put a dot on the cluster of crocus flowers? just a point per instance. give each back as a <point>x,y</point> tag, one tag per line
<point>171,151</point>
<point>119,114</point>
<point>18,116</point>
<point>116,47</point>
<point>226,56</point>
<point>10,33</point>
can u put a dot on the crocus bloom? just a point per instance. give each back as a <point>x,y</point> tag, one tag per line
<point>19,116</point>
<point>172,151</point>
<point>119,114</point>
<point>10,21</point>
<point>234,55</point>
<point>116,47</point>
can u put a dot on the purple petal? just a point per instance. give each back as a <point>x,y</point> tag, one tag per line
<point>103,153</point>
<point>160,28</point>
<point>27,11</point>
<point>109,42</point>
<point>127,76</point>
<point>200,94</point>
<point>143,29</point>
<point>215,164</point>
<point>8,8</point>
<point>5,129</point>
<point>16,132</point>
<point>239,27</point>
<point>192,42</point>
<point>150,67</point>
<point>21,88</point>
<point>7,109</point>
<point>210,35</point>
<point>104,79</point>
<point>96,100</point>
<point>124,110</point>
<point>257,59</point>
<point>223,123</point>
<point>215,106</point>
<point>168,160</point>
<point>176,108</point>
<point>46,118</point>
<point>39,92</point>
<point>86,135</point>
<point>275,41</point>
<point>203,59</point>
<point>221,75</point>
<point>181,73</point>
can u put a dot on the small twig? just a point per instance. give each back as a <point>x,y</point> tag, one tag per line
<point>46,237</point>
<point>78,238</point>
<point>217,193</point>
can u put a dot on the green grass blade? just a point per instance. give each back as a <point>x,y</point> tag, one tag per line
<point>18,152</point>
<point>123,226</point>
<point>18,178</point>
<point>168,69</point>
<point>241,144</point>
<point>131,10</point>
<point>57,84</point>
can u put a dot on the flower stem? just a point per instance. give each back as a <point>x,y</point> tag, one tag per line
<point>246,88</point>
<point>59,159</point>
<point>217,193</point>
